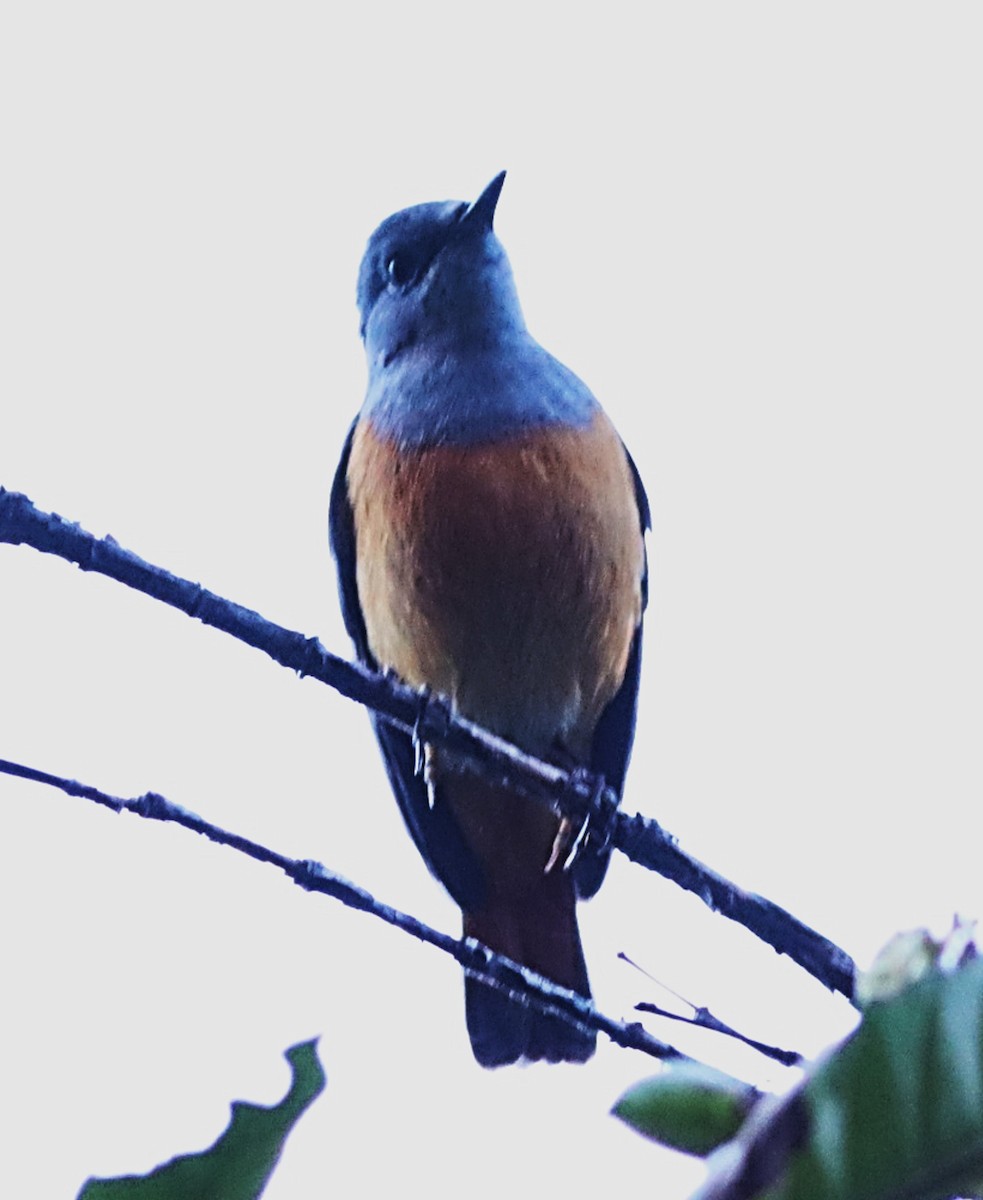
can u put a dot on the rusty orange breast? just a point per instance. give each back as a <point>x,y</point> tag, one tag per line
<point>506,575</point>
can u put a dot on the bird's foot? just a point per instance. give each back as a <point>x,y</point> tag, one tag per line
<point>591,819</point>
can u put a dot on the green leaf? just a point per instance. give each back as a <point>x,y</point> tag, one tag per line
<point>910,956</point>
<point>239,1164</point>
<point>894,1113</point>
<point>688,1106</point>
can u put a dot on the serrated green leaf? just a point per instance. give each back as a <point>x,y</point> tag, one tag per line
<point>688,1106</point>
<point>894,1113</point>
<point>239,1164</point>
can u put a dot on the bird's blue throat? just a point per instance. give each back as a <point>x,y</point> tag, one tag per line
<point>423,396</point>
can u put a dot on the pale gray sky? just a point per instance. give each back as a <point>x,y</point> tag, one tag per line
<point>754,231</point>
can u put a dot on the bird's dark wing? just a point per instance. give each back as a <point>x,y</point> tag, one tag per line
<point>433,830</point>
<point>611,748</point>
<point>341,533</point>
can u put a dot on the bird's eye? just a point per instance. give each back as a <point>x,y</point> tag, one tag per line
<point>399,270</point>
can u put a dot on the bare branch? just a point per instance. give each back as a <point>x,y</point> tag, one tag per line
<point>577,793</point>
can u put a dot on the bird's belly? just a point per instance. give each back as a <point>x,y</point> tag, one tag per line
<point>506,575</point>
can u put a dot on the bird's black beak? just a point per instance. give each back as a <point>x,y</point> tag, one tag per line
<point>482,212</point>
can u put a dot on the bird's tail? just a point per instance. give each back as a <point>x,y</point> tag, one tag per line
<point>540,931</point>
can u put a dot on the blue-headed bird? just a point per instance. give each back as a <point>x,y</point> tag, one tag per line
<point>488,527</point>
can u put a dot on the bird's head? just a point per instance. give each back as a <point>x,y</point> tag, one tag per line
<point>436,274</point>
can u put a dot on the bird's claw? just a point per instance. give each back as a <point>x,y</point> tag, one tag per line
<point>566,845</point>
<point>434,714</point>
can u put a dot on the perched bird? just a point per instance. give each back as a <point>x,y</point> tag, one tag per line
<point>488,527</point>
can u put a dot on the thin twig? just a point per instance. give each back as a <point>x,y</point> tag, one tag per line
<point>518,982</point>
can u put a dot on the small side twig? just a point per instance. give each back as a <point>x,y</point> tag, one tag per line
<point>703,1018</point>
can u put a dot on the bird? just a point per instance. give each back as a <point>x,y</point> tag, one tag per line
<point>488,529</point>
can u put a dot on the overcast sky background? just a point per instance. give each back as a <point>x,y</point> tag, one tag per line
<point>754,230</point>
